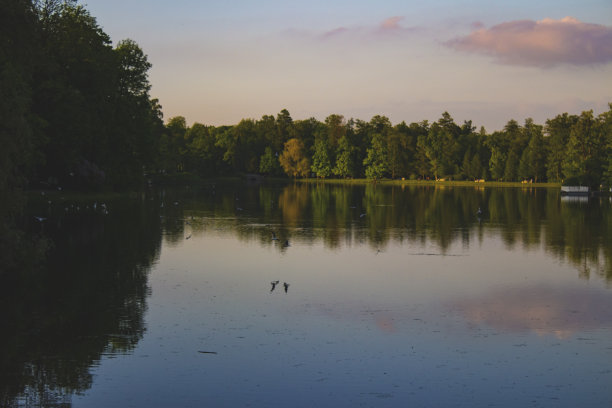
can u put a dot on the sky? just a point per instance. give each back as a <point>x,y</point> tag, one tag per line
<point>219,61</point>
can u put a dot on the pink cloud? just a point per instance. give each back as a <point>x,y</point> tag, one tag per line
<point>392,23</point>
<point>543,310</point>
<point>543,43</point>
<point>388,26</point>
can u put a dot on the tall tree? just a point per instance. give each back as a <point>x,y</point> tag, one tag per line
<point>511,166</point>
<point>533,159</point>
<point>362,135</point>
<point>75,94</point>
<point>558,133</point>
<point>584,161</point>
<point>138,123</point>
<point>498,146</point>
<point>441,146</point>
<point>421,162</point>
<point>376,160</point>
<point>294,160</point>
<point>321,163</point>
<point>346,158</point>
<point>284,129</point>
<point>336,129</point>
<point>399,150</point>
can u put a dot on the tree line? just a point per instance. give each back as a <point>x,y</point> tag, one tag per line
<point>572,148</point>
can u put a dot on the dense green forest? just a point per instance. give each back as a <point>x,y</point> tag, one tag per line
<point>572,148</point>
<point>76,113</point>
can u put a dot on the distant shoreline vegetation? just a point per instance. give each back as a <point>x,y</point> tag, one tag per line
<point>449,183</point>
<point>569,149</point>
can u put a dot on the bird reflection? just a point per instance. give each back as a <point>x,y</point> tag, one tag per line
<point>286,244</point>
<point>273,283</point>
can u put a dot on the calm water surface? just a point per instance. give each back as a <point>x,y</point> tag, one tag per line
<point>395,297</point>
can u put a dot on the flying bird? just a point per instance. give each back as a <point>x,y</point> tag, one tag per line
<point>273,283</point>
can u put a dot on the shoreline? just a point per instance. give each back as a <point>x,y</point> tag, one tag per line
<point>451,183</point>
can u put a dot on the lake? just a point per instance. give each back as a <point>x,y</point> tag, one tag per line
<point>387,296</point>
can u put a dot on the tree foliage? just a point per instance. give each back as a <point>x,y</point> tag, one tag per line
<point>294,160</point>
<point>321,163</point>
<point>377,149</point>
<point>585,160</point>
<point>376,160</point>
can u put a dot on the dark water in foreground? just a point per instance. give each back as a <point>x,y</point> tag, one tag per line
<point>395,297</point>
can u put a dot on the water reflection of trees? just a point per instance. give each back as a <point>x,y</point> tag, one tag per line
<point>90,300</point>
<point>377,215</point>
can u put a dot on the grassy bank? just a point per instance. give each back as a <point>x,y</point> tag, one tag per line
<point>453,183</point>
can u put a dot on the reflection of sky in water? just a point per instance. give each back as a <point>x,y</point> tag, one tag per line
<point>481,326</point>
<point>544,310</point>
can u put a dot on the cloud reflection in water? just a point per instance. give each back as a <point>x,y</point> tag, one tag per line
<point>544,310</point>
